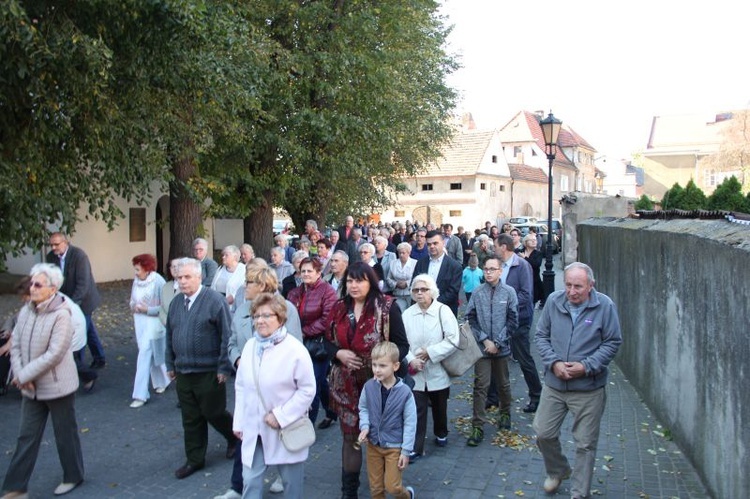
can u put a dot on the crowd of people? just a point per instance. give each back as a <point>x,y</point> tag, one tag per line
<point>353,326</point>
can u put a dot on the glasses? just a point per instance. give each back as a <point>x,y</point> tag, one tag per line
<point>38,285</point>
<point>265,317</point>
<point>491,269</point>
<point>420,290</point>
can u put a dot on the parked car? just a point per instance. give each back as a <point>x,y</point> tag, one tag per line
<point>542,231</point>
<point>516,221</point>
<point>556,226</point>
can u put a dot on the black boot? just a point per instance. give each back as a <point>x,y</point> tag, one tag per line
<point>349,484</point>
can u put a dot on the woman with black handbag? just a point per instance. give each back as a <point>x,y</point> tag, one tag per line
<point>314,300</point>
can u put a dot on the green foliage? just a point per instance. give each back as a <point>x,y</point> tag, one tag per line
<point>689,198</point>
<point>64,143</point>
<point>672,198</point>
<point>644,203</point>
<point>728,196</point>
<point>319,107</point>
<point>692,197</point>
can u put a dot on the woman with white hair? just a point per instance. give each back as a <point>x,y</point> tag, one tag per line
<point>45,372</point>
<point>432,331</point>
<point>398,275</point>
<point>231,275</point>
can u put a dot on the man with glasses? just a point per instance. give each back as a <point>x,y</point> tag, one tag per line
<point>420,247</point>
<point>493,316</point>
<point>443,269</point>
<point>198,330</point>
<point>79,285</point>
<point>517,273</point>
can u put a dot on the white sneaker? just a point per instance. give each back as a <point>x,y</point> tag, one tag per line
<point>277,486</point>
<point>229,494</point>
<point>552,483</point>
<point>135,404</point>
<point>161,390</point>
<point>64,488</point>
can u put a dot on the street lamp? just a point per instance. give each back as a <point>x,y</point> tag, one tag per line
<point>550,130</point>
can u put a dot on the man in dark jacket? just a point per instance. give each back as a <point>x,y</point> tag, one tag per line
<point>79,285</point>
<point>198,329</point>
<point>445,270</point>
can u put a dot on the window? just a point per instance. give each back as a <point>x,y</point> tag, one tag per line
<point>482,186</point>
<point>426,187</point>
<point>502,188</point>
<point>494,158</point>
<point>533,152</point>
<point>399,213</point>
<point>137,225</point>
<point>454,213</point>
<point>456,186</point>
<point>516,150</point>
<point>564,183</point>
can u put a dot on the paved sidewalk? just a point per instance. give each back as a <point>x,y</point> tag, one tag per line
<point>133,452</point>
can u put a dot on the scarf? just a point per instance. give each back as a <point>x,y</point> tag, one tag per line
<point>266,343</point>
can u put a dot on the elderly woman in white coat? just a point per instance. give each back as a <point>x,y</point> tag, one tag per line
<point>398,275</point>
<point>432,331</point>
<point>275,386</point>
<point>231,275</point>
<point>44,370</point>
<point>150,334</point>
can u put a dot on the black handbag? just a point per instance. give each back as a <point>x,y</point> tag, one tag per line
<point>316,347</point>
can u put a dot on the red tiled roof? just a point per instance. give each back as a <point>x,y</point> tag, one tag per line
<point>527,173</point>
<point>570,138</point>
<point>533,132</point>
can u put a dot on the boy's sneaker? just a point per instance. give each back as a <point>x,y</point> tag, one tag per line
<point>503,421</point>
<point>414,457</point>
<point>477,435</point>
<point>410,490</point>
<point>441,441</point>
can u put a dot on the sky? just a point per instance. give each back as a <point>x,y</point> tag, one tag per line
<point>603,67</point>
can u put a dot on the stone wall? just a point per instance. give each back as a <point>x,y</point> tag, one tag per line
<point>682,288</point>
<point>581,206</point>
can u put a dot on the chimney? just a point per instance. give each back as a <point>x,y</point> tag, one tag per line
<point>467,122</point>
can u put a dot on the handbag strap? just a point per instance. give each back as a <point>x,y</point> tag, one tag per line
<point>442,330</point>
<point>257,384</point>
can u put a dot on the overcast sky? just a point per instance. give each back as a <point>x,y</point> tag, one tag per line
<point>605,68</point>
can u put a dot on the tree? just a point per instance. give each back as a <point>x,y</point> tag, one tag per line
<point>644,203</point>
<point>728,196</point>
<point>692,198</point>
<point>354,98</point>
<point>734,151</point>
<point>66,148</point>
<point>672,198</point>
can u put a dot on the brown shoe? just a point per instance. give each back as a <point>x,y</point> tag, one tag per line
<point>186,470</point>
<point>231,448</point>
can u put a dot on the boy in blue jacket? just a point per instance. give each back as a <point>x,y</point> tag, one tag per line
<point>388,421</point>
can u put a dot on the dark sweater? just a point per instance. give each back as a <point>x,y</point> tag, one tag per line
<point>197,339</point>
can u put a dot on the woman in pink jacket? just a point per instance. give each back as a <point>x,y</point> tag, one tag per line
<point>274,387</point>
<point>45,372</point>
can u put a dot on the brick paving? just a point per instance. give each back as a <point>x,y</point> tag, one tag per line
<point>133,452</point>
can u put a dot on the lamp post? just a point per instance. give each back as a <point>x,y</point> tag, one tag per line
<point>550,130</point>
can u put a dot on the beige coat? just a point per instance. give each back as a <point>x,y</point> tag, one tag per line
<point>40,351</point>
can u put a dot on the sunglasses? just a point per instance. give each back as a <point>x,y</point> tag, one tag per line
<point>420,290</point>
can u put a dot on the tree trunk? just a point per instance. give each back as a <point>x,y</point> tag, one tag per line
<point>185,216</point>
<point>258,227</point>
